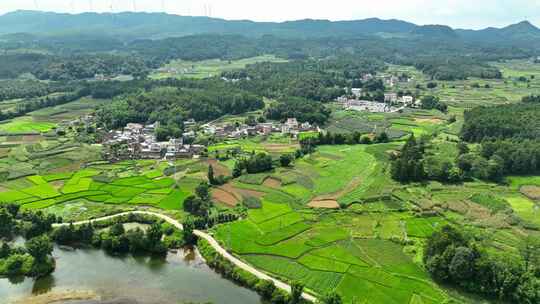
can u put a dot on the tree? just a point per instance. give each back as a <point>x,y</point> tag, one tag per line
<point>431,85</point>
<point>432,102</point>
<point>6,223</point>
<point>211,178</point>
<point>117,229</point>
<point>331,298</point>
<point>153,239</point>
<point>187,232</point>
<point>409,166</point>
<point>5,250</point>
<point>462,264</point>
<point>237,170</point>
<point>266,288</point>
<point>382,138</point>
<point>297,289</point>
<point>203,191</point>
<point>285,160</point>
<point>39,248</point>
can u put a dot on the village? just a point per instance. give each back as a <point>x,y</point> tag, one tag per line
<point>138,141</point>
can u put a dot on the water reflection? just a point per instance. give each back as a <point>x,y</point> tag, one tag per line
<point>180,276</point>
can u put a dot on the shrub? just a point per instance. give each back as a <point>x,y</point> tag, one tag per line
<point>252,203</point>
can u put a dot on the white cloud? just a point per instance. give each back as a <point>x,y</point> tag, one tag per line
<point>456,13</point>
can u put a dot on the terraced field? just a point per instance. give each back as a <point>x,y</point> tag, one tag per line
<point>101,188</point>
<point>370,250</point>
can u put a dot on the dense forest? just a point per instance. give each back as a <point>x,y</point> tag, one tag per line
<point>509,135</point>
<point>321,80</point>
<point>516,121</point>
<point>171,105</point>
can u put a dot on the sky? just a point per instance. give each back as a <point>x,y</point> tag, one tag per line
<point>473,14</point>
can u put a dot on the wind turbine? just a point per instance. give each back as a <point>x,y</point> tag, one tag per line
<point>36,5</point>
<point>134,5</point>
<point>90,5</point>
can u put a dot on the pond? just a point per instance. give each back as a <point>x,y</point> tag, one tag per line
<point>180,277</point>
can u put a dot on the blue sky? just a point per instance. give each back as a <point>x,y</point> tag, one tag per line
<point>456,13</point>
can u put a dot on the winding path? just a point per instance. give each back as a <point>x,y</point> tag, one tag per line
<point>212,243</point>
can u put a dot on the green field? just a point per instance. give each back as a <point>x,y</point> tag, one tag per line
<point>25,124</point>
<point>103,187</point>
<point>207,68</point>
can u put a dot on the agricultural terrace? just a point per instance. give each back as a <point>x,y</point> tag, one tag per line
<point>475,91</point>
<point>396,125</point>
<point>274,144</point>
<point>104,188</point>
<point>371,249</point>
<point>207,68</point>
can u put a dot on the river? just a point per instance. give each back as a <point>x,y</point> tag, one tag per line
<point>180,277</point>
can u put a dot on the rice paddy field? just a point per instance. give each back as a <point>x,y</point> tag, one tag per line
<point>396,125</point>
<point>367,246</point>
<point>106,187</point>
<point>473,92</point>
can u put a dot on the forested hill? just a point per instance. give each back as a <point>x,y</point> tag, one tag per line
<point>160,25</point>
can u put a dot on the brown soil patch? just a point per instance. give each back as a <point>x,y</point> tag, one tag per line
<point>327,204</point>
<point>272,183</point>
<point>532,192</point>
<point>334,196</point>
<point>32,138</point>
<point>277,148</point>
<point>430,120</point>
<point>331,199</point>
<point>241,193</point>
<point>224,197</point>
<point>476,211</point>
<point>69,168</point>
<point>458,206</point>
<point>219,169</point>
<point>58,184</point>
<point>4,152</point>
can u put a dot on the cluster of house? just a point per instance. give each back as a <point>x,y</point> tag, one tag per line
<point>140,142</point>
<point>367,106</point>
<point>235,131</point>
<point>392,102</point>
<point>406,100</point>
<point>388,80</point>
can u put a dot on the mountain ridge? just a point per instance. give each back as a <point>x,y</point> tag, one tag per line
<point>159,25</point>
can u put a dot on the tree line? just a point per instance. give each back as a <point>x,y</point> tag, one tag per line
<point>454,258</point>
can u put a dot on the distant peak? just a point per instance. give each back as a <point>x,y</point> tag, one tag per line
<point>523,25</point>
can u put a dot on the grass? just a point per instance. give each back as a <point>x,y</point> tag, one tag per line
<point>25,124</point>
<point>525,208</point>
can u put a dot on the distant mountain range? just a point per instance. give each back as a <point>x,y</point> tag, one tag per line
<point>131,25</point>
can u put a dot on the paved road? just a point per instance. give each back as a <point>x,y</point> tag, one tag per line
<point>211,241</point>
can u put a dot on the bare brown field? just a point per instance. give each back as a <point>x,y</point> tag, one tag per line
<point>325,204</point>
<point>532,192</point>
<point>429,120</point>
<point>272,183</point>
<point>224,197</point>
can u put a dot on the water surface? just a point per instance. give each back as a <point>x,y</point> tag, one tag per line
<point>180,277</point>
